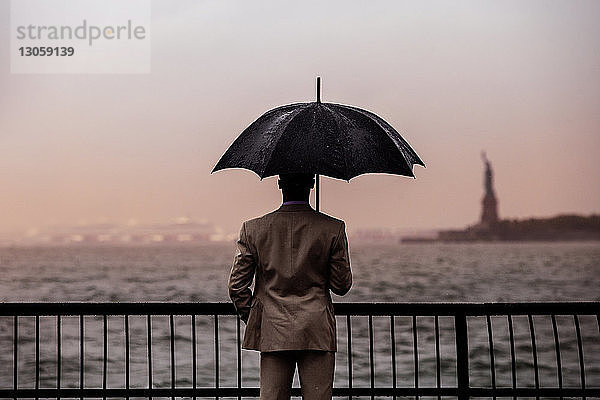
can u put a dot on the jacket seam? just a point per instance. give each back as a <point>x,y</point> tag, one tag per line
<point>337,238</point>
<point>291,266</point>
<point>250,245</point>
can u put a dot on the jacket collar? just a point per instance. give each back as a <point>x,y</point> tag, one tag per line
<point>295,207</point>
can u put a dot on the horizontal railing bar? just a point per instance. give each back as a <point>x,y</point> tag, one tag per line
<point>28,309</point>
<point>532,392</point>
<point>221,392</point>
<point>469,309</point>
<point>386,309</point>
<point>254,392</point>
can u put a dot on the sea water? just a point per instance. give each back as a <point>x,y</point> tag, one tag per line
<point>476,272</point>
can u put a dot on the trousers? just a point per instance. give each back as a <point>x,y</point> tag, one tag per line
<point>315,369</point>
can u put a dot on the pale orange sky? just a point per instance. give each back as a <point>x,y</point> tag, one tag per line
<point>520,80</point>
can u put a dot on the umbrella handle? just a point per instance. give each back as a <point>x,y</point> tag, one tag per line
<point>317,192</point>
<point>317,175</point>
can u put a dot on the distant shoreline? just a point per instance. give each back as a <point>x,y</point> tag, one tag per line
<point>231,245</point>
<point>567,228</point>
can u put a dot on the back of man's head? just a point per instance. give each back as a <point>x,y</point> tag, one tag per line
<point>296,182</point>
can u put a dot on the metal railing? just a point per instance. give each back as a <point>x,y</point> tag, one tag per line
<point>461,314</point>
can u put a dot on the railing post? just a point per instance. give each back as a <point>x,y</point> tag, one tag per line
<point>16,354</point>
<point>462,355</point>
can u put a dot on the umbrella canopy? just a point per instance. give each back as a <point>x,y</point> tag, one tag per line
<point>335,140</point>
<point>329,139</point>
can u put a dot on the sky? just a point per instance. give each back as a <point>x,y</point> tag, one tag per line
<point>520,80</point>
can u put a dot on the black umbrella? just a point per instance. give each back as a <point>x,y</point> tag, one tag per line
<point>329,139</point>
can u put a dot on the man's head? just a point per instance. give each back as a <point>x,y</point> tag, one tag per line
<point>296,186</point>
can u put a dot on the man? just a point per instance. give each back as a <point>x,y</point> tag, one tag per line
<point>295,255</point>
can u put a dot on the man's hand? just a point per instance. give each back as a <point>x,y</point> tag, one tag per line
<point>242,275</point>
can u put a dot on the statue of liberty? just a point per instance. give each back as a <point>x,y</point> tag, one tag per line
<point>489,212</point>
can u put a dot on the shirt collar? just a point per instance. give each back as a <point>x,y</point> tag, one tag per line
<point>295,206</point>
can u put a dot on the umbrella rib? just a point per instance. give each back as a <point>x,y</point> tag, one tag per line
<point>225,162</point>
<point>343,131</point>
<point>385,135</point>
<point>405,148</point>
<point>286,120</point>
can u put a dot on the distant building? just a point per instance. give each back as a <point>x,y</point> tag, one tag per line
<point>182,231</point>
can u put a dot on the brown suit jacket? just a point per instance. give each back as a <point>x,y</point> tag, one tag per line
<point>296,255</point>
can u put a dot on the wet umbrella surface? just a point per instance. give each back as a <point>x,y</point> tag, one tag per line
<point>322,138</point>
<point>329,139</point>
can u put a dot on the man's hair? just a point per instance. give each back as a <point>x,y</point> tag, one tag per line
<point>296,181</point>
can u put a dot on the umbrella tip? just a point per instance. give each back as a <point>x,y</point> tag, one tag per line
<point>318,89</point>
